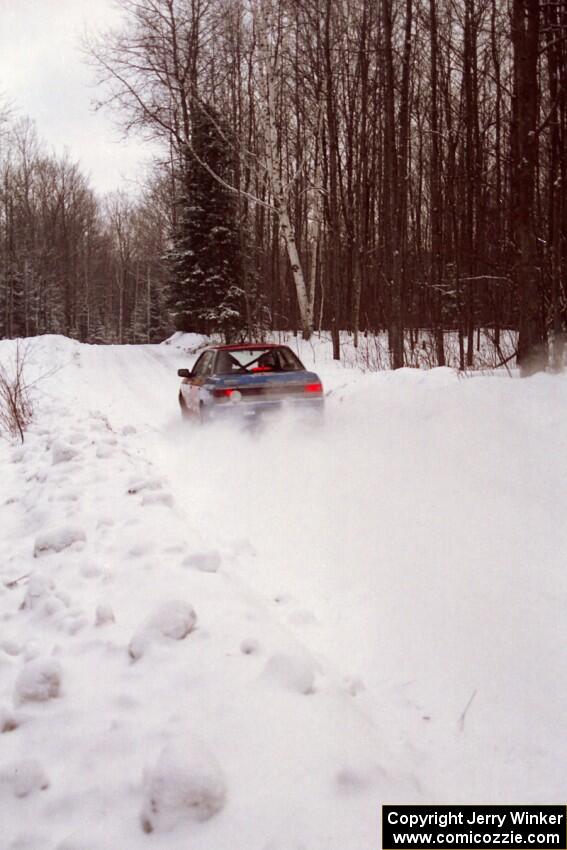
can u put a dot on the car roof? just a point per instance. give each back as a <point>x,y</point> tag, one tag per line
<point>246,346</point>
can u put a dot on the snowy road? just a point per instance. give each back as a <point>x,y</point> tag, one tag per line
<point>406,564</point>
<point>415,544</point>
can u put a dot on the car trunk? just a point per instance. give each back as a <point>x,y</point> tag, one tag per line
<point>267,386</point>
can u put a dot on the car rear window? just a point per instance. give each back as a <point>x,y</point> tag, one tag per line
<point>257,360</point>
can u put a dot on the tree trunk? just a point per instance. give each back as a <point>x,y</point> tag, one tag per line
<point>271,69</point>
<point>532,355</point>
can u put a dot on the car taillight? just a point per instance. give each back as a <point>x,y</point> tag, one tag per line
<point>231,394</point>
<point>313,388</point>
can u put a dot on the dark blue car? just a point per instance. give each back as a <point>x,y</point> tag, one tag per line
<point>247,381</point>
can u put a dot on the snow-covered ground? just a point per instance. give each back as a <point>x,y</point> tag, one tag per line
<point>214,639</point>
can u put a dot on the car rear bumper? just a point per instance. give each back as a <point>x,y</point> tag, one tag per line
<point>256,409</point>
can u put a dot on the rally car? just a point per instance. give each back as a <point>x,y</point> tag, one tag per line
<point>248,381</point>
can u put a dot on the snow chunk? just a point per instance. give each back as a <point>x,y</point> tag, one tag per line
<point>52,606</point>
<point>62,452</point>
<point>158,499</point>
<point>74,624</point>
<point>39,587</point>
<point>18,456</point>
<point>31,650</point>
<point>353,685</point>
<point>173,620</point>
<point>39,681</point>
<point>104,615</point>
<point>185,784</point>
<point>58,539</point>
<point>9,720</point>
<point>206,562</point>
<point>104,451</point>
<point>138,485</point>
<point>11,647</point>
<point>77,437</point>
<point>24,777</point>
<point>283,599</point>
<point>294,672</point>
<point>249,646</point>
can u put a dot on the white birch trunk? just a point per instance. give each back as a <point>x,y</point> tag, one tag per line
<point>280,200</point>
<point>148,304</point>
<point>315,237</point>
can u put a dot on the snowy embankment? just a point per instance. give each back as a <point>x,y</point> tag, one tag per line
<point>211,638</point>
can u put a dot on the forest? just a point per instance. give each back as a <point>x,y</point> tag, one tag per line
<point>396,166</point>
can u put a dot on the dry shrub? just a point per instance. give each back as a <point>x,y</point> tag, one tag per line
<point>16,409</point>
<point>372,354</point>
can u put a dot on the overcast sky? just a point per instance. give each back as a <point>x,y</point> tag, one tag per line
<point>44,76</point>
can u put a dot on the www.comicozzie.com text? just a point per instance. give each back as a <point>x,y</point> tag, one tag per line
<point>444,819</point>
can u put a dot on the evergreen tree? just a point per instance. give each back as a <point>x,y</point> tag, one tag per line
<point>100,335</point>
<point>205,262</point>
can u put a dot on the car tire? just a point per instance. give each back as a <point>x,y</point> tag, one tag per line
<point>185,413</point>
<point>204,415</point>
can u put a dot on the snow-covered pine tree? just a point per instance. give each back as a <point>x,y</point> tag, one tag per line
<point>99,336</point>
<point>205,293</point>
